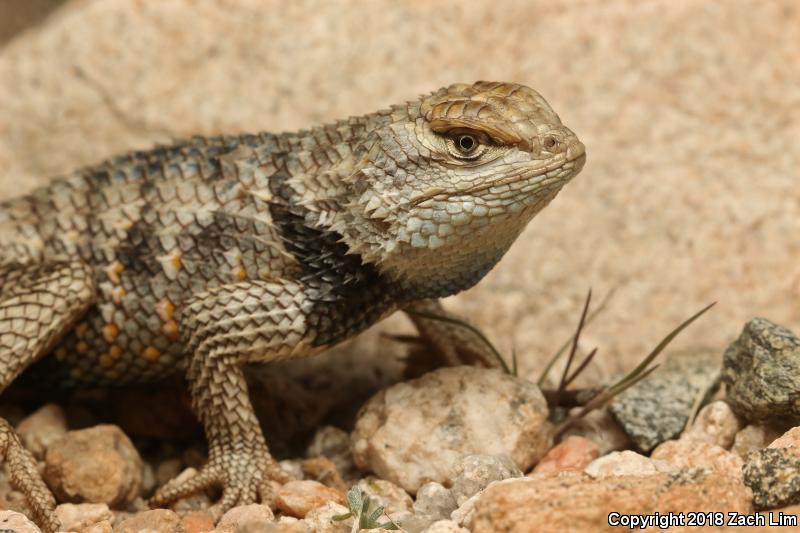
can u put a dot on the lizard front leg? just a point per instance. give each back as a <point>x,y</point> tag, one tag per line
<point>225,328</point>
<point>38,304</point>
<point>453,343</point>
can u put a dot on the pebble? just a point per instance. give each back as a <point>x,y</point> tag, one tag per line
<point>17,523</point>
<point>320,520</point>
<point>155,521</point>
<point>601,428</point>
<point>434,501</point>
<point>385,494</point>
<point>298,498</point>
<point>94,465</point>
<point>84,517</point>
<point>416,431</point>
<point>197,522</point>
<point>773,474</point>
<point>42,428</point>
<point>753,437</point>
<point>716,423</point>
<point>573,453</point>
<point>473,473</point>
<point>445,526</point>
<point>657,408</point>
<point>334,443</point>
<point>247,516</point>
<point>325,471</point>
<point>688,453</point>
<point>624,463</point>
<point>577,503</point>
<point>789,440</point>
<point>762,372</point>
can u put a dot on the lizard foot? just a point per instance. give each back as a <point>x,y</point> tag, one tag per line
<point>245,475</point>
<point>25,477</point>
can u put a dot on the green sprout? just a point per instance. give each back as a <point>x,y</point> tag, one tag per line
<point>359,505</point>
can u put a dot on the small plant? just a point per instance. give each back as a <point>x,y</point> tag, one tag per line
<point>362,517</point>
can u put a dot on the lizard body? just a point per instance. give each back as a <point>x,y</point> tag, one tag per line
<point>215,252</point>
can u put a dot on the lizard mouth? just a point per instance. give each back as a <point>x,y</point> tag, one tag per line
<point>562,168</point>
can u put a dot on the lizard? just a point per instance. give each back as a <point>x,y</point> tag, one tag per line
<point>214,252</point>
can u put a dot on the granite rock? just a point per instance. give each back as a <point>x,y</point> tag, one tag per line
<point>576,504</point>
<point>657,408</point>
<point>762,372</point>
<point>773,474</point>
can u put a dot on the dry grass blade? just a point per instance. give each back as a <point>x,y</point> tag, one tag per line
<point>633,377</point>
<point>575,339</point>
<point>661,345</point>
<point>555,357</point>
<point>584,364</point>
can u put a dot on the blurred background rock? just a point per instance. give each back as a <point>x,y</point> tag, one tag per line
<point>690,111</point>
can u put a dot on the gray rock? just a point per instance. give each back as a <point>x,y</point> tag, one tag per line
<point>385,494</point>
<point>657,408</point>
<point>334,443</point>
<point>473,473</point>
<point>773,474</point>
<point>434,500</point>
<point>762,372</point>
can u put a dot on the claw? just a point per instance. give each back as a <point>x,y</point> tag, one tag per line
<point>178,488</point>
<point>244,477</point>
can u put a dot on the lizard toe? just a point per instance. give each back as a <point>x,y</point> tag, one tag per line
<point>179,487</point>
<point>245,478</point>
<point>25,478</point>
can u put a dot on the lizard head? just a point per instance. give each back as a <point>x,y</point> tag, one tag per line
<point>448,182</point>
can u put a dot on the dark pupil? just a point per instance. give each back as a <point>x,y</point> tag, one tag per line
<point>466,143</point>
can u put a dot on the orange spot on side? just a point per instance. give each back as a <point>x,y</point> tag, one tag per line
<point>83,347</point>
<point>110,332</point>
<point>170,330</point>
<point>151,353</point>
<point>165,309</point>
<point>81,330</point>
<point>113,271</point>
<point>176,261</point>
<point>239,274</point>
<point>118,294</point>
<point>106,360</point>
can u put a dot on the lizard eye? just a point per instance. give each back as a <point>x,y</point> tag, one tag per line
<point>465,145</point>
